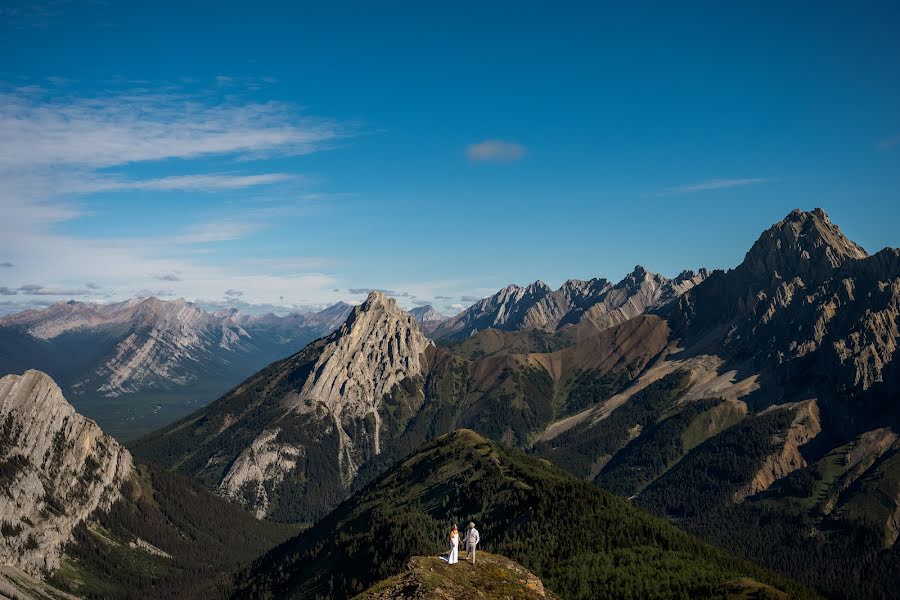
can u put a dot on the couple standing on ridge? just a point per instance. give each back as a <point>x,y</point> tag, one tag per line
<point>471,540</point>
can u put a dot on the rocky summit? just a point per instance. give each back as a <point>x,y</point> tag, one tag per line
<point>493,578</point>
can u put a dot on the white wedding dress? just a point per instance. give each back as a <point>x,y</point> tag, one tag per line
<point>454,549</point>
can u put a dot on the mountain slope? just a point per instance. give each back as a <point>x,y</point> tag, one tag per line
<point>582,541</point>
<point>76,510</point>
<point>56,468</point>
<point>288,442</point>
<point>159,357</point>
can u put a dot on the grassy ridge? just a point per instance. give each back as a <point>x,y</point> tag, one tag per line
<point>582,541</point>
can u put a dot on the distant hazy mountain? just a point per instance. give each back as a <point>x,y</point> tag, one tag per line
<point>427,318</point>
<point>157,358</point>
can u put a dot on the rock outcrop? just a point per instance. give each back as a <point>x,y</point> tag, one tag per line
<point>788,458</point>
<point>56,468</point>
<point>496,578</point>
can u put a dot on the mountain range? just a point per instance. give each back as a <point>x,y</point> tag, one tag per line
<point>766,389</point>
<point>755,408</point>
<point>137,364</point>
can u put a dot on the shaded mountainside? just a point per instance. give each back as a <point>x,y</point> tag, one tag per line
<point>493,578</point>
<point>157,356</point>
<point>768,423</point>
<point>76,510</point>
<point>581,541</point>
<point>166,537</point>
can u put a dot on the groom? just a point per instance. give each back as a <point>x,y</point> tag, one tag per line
<point>472,539</point>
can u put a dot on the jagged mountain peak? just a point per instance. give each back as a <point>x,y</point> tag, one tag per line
<point>377,308</point>
<point>638,276</point>
<point>803,244</point>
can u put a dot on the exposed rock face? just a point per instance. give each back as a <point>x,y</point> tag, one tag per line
<point>805,245</point>
<point>803,428</point>
<point>639,292</point>
<point>56,468</point>
<point>565,304</point>
<point>259,469</point>
<point>374,350</point>
<point>504,310</point>
<point>596,302</point>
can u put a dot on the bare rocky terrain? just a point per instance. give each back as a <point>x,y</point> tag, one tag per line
<point>56,468</point>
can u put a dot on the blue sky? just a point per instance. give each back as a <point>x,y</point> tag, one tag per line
<point>297,154</point>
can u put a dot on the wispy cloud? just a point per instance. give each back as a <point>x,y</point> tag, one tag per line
<point>42,130</point>
<point>7,264</point>
<point>495,151</point>
<point>713,184</point>
<point>195,183</point>
<point>207,233</point>
<point>166,277</point>
<point>470,299</point>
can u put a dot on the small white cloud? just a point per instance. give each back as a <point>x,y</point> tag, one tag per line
<point>495,150</point>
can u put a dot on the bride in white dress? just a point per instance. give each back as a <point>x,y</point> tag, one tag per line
<point>454,546</point>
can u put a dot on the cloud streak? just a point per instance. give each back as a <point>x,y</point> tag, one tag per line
<point>713,184</point>
<point>195,183</point>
